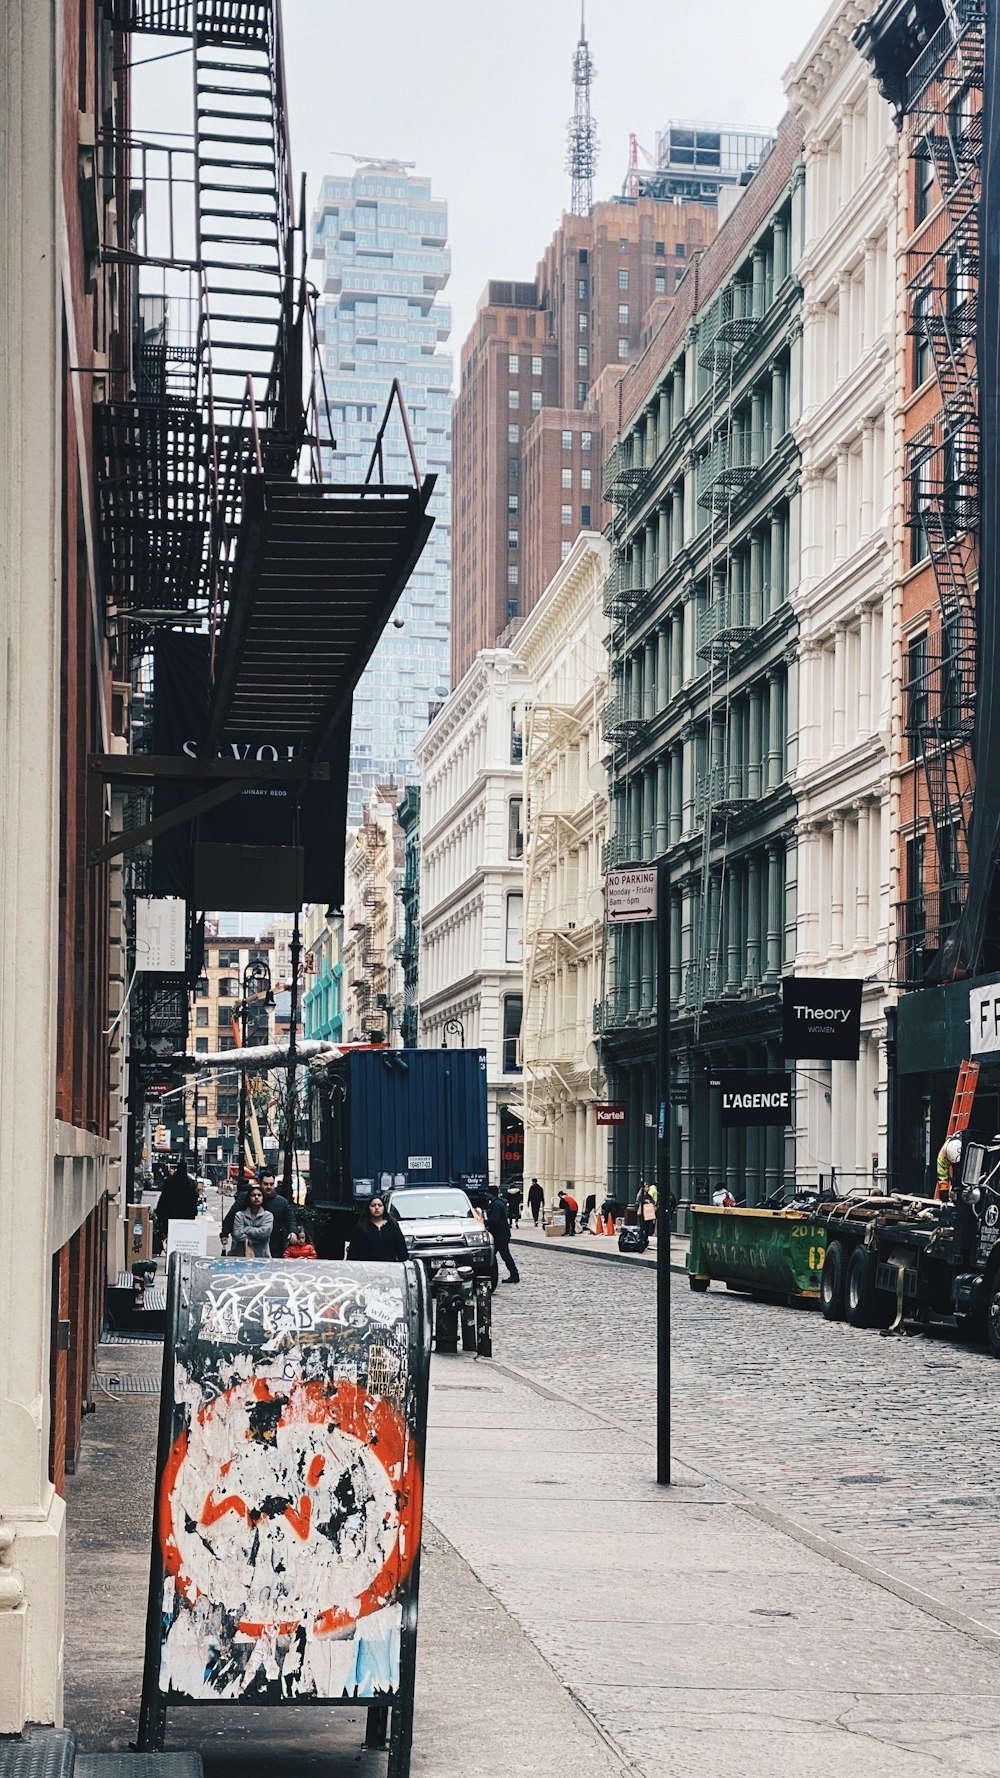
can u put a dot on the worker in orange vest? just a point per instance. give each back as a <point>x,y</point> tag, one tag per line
<point>949,1155</point>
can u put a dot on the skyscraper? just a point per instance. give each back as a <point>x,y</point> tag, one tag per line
<point>382,239</point>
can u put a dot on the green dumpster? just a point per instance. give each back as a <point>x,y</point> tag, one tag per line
<point>777,1251</point>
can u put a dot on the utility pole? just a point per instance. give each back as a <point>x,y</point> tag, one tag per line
<point>290,1117</point>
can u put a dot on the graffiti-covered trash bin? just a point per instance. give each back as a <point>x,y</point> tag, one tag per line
<point>289,1488</point>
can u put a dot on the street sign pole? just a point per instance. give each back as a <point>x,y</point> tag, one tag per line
<point>663,1173</point>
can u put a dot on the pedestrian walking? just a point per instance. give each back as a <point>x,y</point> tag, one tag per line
<point>252,1227</point>
<point>177,1202</point>
<point>498,1223</point>
<point>536,1201</point>
<point>377,1238</point>
<point>515,1198</point>
<point>570,1209</point>
<point>723,1198</point>
<point>300,1246</point>
<point>281,1212</point>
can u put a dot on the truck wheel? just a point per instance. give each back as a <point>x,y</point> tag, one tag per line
<point>696,1283</point>
<point>831,1283</point>
<point>864,1306</point>
<point>993,1317</point>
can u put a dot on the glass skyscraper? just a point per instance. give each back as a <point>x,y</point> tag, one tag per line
<point>382,239</point>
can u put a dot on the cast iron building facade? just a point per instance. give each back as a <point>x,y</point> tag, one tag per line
<point>382,241</point>
<point>700,724</point>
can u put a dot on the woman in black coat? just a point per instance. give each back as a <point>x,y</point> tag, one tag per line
<point>177,1202</point>
<point>377,1236</point>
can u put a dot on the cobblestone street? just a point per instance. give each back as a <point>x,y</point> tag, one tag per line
<point>888,1446</point>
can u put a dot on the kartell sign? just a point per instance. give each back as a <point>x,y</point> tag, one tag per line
<point>821,1019</point>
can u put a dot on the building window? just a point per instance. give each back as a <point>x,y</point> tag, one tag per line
<point>513,365</point>
<point>511,609</point>
<point>959,281</point>
<point>201,1015</point>
<point>201,987</point>
<point>513,398</point>
<point>567,478</point>
<point>512,540</point>
<point>623,314</point>
<point>585,515</point>
<point>582,357</point>
<point>567,441</point>
<point>581,321</point>
<point>513,947</point>
<point>660,249</point>
<point>585,479</point>
<point>564,549</point>
<point>581,393</point>
<point>916,693</point>
<point>515,834</point>
<point>679,250</point>
<point>511,502</point>
<point>513,468</point>
<point>536,401</point>
<point>623,277</point>
<point>516,737</point>
<point>586,441</point>
<point>567,515</point>
<point>512,575</point>
<point>511,1032</point>
<point>923,196</point>
<point>914,916</point>
<point>513,434</point>
<point>582,256</point>
<point>201,1046</point>
<point>623,348</point>
<point>660,284</point>
<point>923,358</point>
<point>536,367</point>
<point>920,500</point>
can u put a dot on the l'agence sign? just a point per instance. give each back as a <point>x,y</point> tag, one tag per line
<point>753,1098</point>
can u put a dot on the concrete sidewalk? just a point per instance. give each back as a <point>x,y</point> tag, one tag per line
<point>598,1246</point>
<point>700,1637</point>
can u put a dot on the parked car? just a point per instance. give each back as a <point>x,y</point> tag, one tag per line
<point>442,1230</point>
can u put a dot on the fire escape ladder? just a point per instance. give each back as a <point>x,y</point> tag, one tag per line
<point>244,210</point>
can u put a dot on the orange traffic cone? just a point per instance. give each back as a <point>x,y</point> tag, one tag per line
<point>599,1229</point>
<point>611,1224</point>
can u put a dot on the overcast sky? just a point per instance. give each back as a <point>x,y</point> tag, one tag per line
<point>478,95</point>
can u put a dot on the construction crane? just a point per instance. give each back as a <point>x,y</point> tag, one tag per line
<point>631,187</point>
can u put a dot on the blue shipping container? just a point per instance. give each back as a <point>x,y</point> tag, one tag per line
<point>419,1113</point>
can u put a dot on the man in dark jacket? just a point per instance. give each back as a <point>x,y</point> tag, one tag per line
<point>283,1216</point>
<point>498,1223</point>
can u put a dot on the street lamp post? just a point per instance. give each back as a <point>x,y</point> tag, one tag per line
<point>256,987</point>
<point>456,1027</point>
<point>290,1118</point>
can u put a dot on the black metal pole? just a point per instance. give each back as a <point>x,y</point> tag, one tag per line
<point>290,1118</point>
<point>663,1172</point>
<point>241,1176</point>
<point>890,1098</point>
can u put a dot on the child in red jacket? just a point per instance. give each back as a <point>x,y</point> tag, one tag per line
<point>300,1246</point>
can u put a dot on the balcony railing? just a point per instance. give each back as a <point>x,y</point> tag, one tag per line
<point>622,596</point>
<point>621,475</point>
<point>620,1011</point>
<point>726,624</point>
<point>730,465</point>
<point>620,727</point>
<point>722,794</point>
<point>729,325</point>
<point>619,852</point>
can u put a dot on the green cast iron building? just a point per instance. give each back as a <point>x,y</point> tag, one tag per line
<point>701,720</point>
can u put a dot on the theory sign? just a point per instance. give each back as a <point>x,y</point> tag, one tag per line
<point>629,895</point>
<point>821,1019</point>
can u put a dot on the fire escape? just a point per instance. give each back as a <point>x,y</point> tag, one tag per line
<point>944,120</point>
<point>215,515</point>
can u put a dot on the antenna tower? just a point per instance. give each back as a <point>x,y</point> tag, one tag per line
<point>582,153</point>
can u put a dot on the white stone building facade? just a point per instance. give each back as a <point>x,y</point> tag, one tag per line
<point>843,601</point>
<point>472,879</point>
<point>562,645</point>
<point>374,859</point>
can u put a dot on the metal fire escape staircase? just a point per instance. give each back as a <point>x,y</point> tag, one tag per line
<point>215,516</point>
<point>945,122</point>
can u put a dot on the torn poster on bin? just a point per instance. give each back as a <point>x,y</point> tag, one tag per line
<point>289,1490</point>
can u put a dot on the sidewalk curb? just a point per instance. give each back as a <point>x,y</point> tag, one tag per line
<point>617,1259</point>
